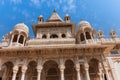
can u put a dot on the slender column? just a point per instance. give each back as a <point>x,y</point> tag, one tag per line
<point>78,71</point>
<point>62,67</point>
<point>112,66</point>
<point>18,38</point>
<point>86,70</point>
<point>100,71</point>
<point>100,76</point>
<point>24,41</point>
<point>15,70</point>
<point>91,35</point>
<point>59,35</point>
<point>39,69</point>
<point>24,68</point>
<point>84,36</point>
<point>11,39</point>
<point>48,36</point>
<point>107,74</point>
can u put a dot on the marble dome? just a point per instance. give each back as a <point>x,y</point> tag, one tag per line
<point>21,27</point>
<point>84,24</point>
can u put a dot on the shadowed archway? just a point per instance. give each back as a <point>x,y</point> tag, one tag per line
<point>70,72</point>
<point>6,71</point>
<point>50,71</point>
<point>93,69</point>
<point>31,73</point>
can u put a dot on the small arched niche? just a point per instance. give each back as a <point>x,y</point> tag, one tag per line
<point>53,36</point>
<point>44,36</point>
<point>21,39</point>
<point>63,36</point>
<point>82,37</point>
<point>15,38</point>
<point>88,35</point>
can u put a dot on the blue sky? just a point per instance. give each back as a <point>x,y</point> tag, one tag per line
<point>102,14</point>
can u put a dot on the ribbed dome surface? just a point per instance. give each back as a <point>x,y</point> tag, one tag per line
<point>22,27</point>
<point>84,24</point>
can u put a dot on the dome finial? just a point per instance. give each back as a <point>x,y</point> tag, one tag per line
<point>54,10</point>
<point>22,22</point>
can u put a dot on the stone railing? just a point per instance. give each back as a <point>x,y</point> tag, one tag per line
<point>50,41</point>
<point>101,41</point>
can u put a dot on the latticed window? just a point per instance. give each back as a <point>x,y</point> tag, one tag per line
<point>15,38</point>
<point>21,39</point>
<point>82,37</point>
<point>88,35</point>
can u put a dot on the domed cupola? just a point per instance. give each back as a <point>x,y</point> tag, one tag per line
<point>100,34</point>
<point>85,32</point>
<point>20,34</point>
<point>21,27</point>
<point>67,18</point>
<point>113,34</point>
<point>84,24</point>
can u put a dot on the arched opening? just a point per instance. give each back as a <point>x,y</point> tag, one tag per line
<point>44,36</point>
<point>54,36</point>
<point>70,72</point>
<point>50,71</point>
<point>6,71</point>
<point>63,36</point>
<point>82,37</point>
<point>31,73</point>
<point>93,69</point>
<point>88,35</point>
<point>15,38</point>
<point>21,39</point>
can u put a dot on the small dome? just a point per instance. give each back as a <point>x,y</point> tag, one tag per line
<point>67,15</point>
<point>40,16</point>
<point>22,27</point>
<point>112,32</point>
<point>84,24</point>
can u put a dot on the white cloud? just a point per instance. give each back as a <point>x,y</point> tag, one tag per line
<point>36,2</point>
<point>25,14</point>
<point>69,6</point>
<point>2,2</point>
<point>16,1</point>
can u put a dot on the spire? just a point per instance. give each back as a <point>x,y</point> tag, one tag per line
<point>54,10</point>
<point>54,17</point>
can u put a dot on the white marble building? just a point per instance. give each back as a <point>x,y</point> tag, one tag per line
<point>58,52</point>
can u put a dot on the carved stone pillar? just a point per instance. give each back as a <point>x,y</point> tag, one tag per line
<point>84,36</point>
<point>100,71</point>
<point>91,35</point>
<point>62,67</point>
<point>11,39</point>
<point>24,68</point>
<point>15,70</point>
<point>18,38</point>
<point>100,76</point>
<point>87,71</point>
<point>78,71</point>
<point>39,69</point>
<point>107,74</point>
<point>24,40</point>
<point>59,35</point>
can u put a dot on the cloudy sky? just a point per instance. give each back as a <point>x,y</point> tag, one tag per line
<point>102,14</point>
